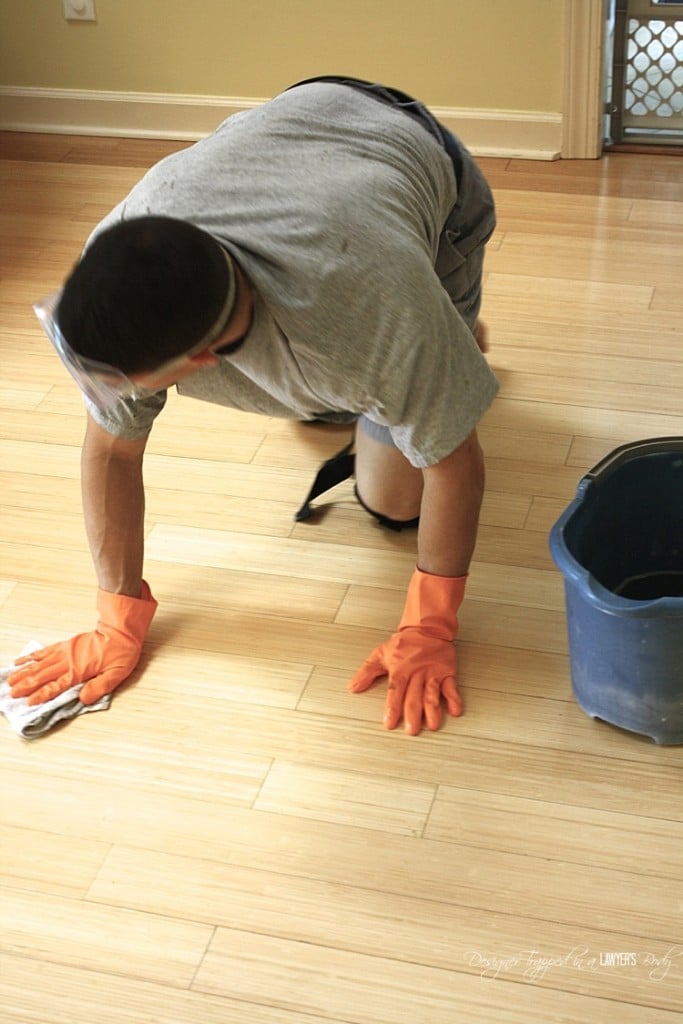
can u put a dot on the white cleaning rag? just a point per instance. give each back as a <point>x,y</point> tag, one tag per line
<point>28,721</point>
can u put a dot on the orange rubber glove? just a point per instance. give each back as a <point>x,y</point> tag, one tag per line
<point>419,659</point>
<point>101,659</point>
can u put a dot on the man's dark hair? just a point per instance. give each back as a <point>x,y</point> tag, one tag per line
<point>145,291</point>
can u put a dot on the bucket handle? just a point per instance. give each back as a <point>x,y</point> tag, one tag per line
<point>626,452</point>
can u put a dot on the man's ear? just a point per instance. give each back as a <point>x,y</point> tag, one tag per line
<point>204,358</point>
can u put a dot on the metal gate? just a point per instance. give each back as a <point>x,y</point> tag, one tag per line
<point>646,101</point>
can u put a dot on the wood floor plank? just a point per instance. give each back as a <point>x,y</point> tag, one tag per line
<point>580,420</point>
<point>545,512</point>
<point>656,212</point>
<point>616,841</point>
<point>547,709</point>
<point>231,678</point>
<point>6,588</point>
<point>570,306</point>
<point>171,764</point>
<point>499,623</point>
<point>365,921</point>
<point>580,391</point>
<point>357,798</point>
<point>316,560</point>
<point>616,174</point>
<point>57,428</point>
<point>75,932</point>
<point>627,274</point>
<point>503,669</point>
<point>608,368</point>
<point>376,990</point>
<point>636,337</point>
<point>534,209</point>
<point>667,297</point>
<point>48,862</point>
<point>67,995</point>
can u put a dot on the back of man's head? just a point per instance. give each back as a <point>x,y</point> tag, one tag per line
<point>145,291</point>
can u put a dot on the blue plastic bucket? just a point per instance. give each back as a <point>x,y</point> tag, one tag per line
<point>619,546</point>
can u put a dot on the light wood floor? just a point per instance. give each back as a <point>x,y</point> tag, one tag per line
<point>237,841</point>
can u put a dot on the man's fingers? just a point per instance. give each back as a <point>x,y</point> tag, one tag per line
<point>432,705</point>
<point>28,659</point>
<point>101,685</point>
<point>36,672</point>
<point>49,691</point>
<point>453,699</point>
<point>30,682</point>
<point>423,703</point>
<point>394,704</point>
<point>413,704</point>
<point>413,691</point>
<point>371,670</point>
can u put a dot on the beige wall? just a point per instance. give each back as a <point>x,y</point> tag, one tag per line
<point>484,54</point>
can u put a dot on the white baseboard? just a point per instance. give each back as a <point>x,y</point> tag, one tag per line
<point>521,134</point>
<point>501,133</point>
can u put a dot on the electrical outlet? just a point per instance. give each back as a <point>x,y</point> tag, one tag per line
<point>79,10</point>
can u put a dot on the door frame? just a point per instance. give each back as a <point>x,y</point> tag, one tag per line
<point>584,78</point>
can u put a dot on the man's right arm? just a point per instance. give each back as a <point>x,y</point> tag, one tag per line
<point>114,508</point>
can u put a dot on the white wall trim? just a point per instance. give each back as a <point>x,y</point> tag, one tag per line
<point>584,56</point>
<point>525,134</point>
<point>129,114</point>
<point>534,135</point>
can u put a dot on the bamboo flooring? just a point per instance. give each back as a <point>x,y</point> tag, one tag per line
<point>238,840</point>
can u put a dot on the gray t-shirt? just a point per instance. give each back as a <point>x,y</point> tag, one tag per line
<point>333,204</point>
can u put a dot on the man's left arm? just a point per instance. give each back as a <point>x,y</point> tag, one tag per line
<point>419,660</point>
<point>449,514</point>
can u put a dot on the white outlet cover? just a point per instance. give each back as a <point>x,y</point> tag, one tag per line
<point>79,10</point>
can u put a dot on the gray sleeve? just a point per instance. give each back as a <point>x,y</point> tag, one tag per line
<point>445,406</point>
<point>426,379</point>
<point>132,418</point>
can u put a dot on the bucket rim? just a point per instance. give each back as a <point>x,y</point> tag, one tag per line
<point>633,450</point>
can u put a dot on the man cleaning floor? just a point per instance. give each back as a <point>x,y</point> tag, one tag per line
<point>316,258</point>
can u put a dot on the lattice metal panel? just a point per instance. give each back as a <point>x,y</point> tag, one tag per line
<point>653,80</point>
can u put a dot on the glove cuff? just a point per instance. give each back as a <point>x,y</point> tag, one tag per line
<point>432,604</point>
<point>129,615</point>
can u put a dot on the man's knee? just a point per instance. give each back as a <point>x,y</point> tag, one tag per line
<point>387,486</point>
<point>391,524</point>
